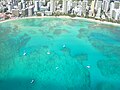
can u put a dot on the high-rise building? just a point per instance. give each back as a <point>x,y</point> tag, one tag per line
<point>115,10</point>
<point>36,3</point>
<point>98,4</point>
<point>105,5</point>
<point>64,6</point>
<point>117,5</point>
<point>115,14</point>
<point>20,5</point>
<point>111,9</point>
<point>79,10</point>
<point>98,15</point>
<point>43,2</point>
<point>30,2</point>
<point>69,5</point>
<point>90,13</point>
<point>48,6</point>
<point>79,3</point>
<point>52,6</point>
<point>75,10</point>
<point>84,6</point>
<point>74,4</point>
<point>9,6</point>
<point>92,8</point>
<point>23,5</point>
<point>30,10</point>
<point>23,1</point>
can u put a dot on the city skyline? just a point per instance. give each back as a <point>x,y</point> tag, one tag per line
<point>97,9</point>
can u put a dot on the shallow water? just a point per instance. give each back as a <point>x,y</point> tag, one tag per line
<point>59,54</point>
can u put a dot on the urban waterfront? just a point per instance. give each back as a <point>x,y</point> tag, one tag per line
<point>107,10</point>
<point>59,54</point>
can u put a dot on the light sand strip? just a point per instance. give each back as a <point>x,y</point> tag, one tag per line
<point>88,19</point>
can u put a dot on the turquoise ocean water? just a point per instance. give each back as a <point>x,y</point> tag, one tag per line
<point>59,54</point>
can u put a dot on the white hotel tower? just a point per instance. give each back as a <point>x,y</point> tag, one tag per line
<point>23,4</point>
<point>36,3</point>
<point>52,5</point>
<point>105,5</point>
<point>9,7</point>
<point>64,6</point>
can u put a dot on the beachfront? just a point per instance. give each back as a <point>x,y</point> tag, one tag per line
<point>97,10</point>
<point>92,20</point>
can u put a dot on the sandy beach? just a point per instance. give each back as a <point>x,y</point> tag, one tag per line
<point>88,19</point>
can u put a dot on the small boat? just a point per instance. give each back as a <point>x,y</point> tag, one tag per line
<point>56,67</point>
<point>64,46</point>
<point>48,53</point>
<point>24,53</point>
<point>88,66</point>
<point>32,81</point>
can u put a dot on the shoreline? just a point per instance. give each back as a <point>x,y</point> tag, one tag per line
<point>68,17</point>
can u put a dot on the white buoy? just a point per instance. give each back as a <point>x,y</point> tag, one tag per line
<point>48,53</point>
<point>32,81</point>
<point>56,67</point>
<point>88,66</point>
<point>64,46</point>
